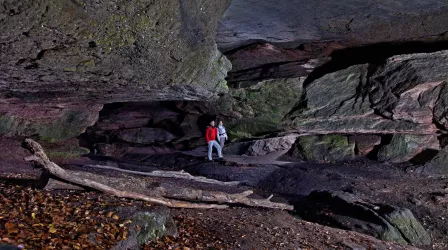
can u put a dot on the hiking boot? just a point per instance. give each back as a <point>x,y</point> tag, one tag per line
<point>220,159</point>
<point>209,160</point>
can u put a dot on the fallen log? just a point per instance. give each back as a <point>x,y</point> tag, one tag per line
<point>214,196</point>
<point>169,174</point>
<point>40,158</point>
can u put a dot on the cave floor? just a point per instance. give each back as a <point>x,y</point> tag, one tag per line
<point>252,228</point>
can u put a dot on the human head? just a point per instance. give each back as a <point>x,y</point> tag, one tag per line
<point>220,123</point>
<point>212,123</point>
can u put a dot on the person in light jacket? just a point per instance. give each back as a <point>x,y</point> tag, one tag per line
<point>222,134</point>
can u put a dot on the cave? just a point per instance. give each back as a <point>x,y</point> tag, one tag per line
<point>335,119</point>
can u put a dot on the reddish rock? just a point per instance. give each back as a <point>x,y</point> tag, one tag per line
<point>50,121</point>
<point>12,155</point>
<point>364,144</point>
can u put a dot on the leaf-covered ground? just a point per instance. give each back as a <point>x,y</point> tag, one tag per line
<point>69,220</point>
<point>38,219</point>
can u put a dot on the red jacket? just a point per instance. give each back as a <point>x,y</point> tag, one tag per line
<point>210,133</point>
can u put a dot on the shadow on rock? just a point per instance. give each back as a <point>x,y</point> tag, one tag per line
<point>347,211</point>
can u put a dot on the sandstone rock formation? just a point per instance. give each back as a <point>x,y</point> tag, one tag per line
<point>293,22</point>
<point>61,60</point>
<point>253,110</point>
<point>406,95</point>
<point>48,121</point>
<point>111,51</point>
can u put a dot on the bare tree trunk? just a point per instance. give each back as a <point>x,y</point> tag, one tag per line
<point>39,157</point>
<point>169,174</point>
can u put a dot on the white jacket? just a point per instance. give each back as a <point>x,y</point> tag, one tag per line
<point>222,132</point>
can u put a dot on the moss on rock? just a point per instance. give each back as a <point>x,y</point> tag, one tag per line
<point>323,148</point>
<point>263,106</point>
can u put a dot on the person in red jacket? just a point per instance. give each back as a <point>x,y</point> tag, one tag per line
<point>211,133</point>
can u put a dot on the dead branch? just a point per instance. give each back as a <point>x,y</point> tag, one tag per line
<point>40,158</point>
<point>156,194</point>
<point>222,197</point>
<point>169,174</point>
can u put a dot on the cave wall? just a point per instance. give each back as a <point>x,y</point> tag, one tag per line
<point>110,51</point>
<point>346,68</point>
<point>62,60</point>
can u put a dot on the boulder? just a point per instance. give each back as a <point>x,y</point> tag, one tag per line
<point>146,226</point>
<point>408,226</point>
<point>323,148</point>
<point>145,135</point>
<point>403,147</point>
<point>271,145</point>
<point>347,211</point>
<point>364,144</point>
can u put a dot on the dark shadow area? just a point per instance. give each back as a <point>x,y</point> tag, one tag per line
<point>204,121</point>
<point>385,139</point>
<point>423,157</point>
<point>19,182</point>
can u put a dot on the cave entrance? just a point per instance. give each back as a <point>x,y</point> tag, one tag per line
<point>147,126</point>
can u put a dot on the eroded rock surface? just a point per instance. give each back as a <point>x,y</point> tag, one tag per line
<point>48,121</point>
<point>111,51</point>
<point>293,22</point>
